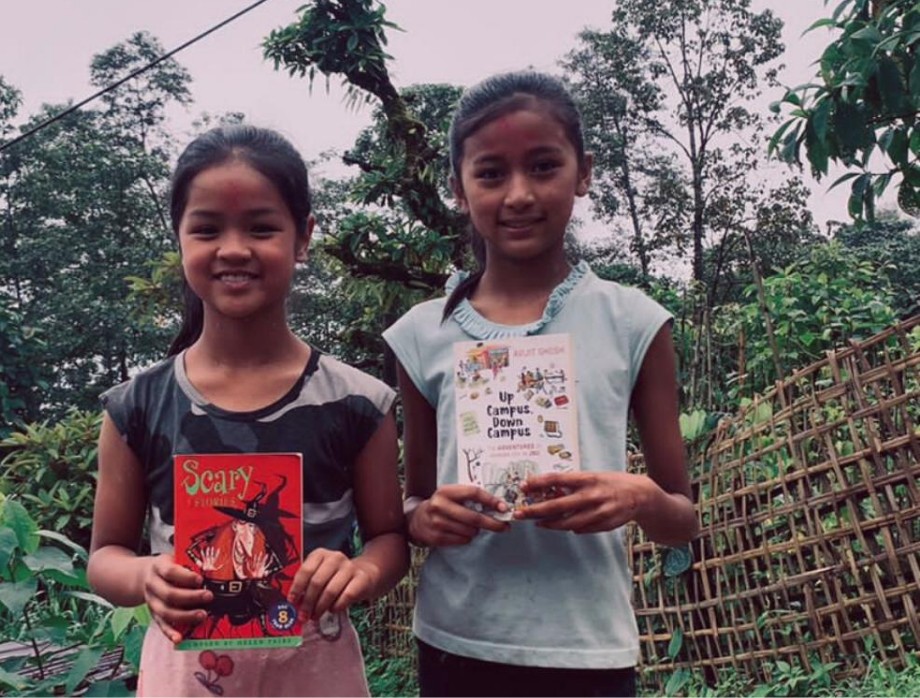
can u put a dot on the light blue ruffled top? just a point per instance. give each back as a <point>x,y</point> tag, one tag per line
<point>479,327</point>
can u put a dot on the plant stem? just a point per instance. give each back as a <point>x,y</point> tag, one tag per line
<point>38,654</point>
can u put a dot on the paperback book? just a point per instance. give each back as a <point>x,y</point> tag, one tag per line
<point>516,417</point>
<point>239,525</point>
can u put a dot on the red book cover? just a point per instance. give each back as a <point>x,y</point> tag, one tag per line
<point>239,525</point>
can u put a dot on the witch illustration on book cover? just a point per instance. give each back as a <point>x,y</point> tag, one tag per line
<point>242,558</point>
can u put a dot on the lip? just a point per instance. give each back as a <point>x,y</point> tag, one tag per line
<point>235,277</point>
<point>520,223</point>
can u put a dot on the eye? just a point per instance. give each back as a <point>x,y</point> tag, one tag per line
<point>546,167</point>
<point>488,174</point>
<point>204,231</point>
<point>264,230</point>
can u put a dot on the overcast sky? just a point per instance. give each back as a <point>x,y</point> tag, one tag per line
<point>46,47</point>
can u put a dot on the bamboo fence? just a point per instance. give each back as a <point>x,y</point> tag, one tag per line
<point>809,500</point>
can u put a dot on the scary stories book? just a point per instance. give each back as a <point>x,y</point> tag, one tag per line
<point>239,525</point>
<point>515,400</point>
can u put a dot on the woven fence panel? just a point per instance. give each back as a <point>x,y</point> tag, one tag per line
<point>809,501</point>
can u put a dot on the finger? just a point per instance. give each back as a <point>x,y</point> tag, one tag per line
<point>551,508</point>
<point>354,591</point>
<point>303,575</point>
<point>174,597</point>
<point>331,593</point>
<point>459,518</point>
<point>318,582</point>
<point>470,493</point>
<point>584,522</point>
<point>571,480</point>
<point>173,622</point>
<point>178,576</point>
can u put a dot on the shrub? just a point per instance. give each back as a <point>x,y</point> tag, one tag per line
<point>51,468</point>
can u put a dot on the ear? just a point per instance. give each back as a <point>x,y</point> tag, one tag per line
<point>584,175</point>
<point>459,196</point>
<point>303,244</point>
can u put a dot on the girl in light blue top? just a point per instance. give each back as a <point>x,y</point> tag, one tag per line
<point>526,607</point>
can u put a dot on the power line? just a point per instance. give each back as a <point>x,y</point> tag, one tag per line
<point>118,83</point>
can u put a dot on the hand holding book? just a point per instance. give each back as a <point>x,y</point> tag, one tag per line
<point>447,517</point>
<point>328,580</point>
<point>586,502</point>
<point>175,596</point>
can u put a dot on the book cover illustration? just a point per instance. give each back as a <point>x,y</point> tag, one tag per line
<point>239,525</point>
<point>515,400</point>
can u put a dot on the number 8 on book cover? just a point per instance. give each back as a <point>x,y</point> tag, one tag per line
<point>239,525</point>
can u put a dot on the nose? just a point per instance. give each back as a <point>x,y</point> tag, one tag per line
<point>520,191</point>
<point>234,245</point>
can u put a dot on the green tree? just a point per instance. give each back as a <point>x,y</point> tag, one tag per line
<point>860,110</point>
<point>814,305</point>
<point>388,232</point>
<point>22,375</point>
<point>83,210</point>
<point>665,94</point>
<point>893,246</point>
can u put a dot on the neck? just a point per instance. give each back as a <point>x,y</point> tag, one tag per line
<point>244,344</point>
<point>523,279</point>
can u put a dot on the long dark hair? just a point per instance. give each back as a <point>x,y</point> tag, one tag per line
<point>264,150</point>
<point>487,101</point>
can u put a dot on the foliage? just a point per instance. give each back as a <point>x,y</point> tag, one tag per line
<point>157,297</point>
<point>387,675</point>
<point>387,232</point>
<point>861,109</point>
<point>80,210</point>
<point>787,679</point>
<point>22,377</point>
<point>346,37</point>
<point>51,468</point>
<point>46,603</point>
<point>664,96</point>
<point>894,247</point>
<point>815,304</point>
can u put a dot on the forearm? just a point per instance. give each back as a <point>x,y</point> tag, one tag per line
<point>667,518</point>
<point>385,558</point>
<point>117,574</point>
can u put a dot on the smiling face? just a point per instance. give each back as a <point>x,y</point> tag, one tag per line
<point>239,241</point>
<point>519,177</point>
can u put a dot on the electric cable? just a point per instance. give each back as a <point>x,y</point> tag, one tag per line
<point>118,83</point>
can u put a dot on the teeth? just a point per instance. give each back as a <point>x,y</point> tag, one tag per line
<point>235,277</point>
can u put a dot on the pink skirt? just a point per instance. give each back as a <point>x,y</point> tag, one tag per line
<point>327,663</point>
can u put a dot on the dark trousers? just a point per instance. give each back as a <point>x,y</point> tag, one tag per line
<point>444,674</point>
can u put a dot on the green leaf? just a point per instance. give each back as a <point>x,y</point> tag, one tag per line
<point>142,615</point>
<point>63,540</point>
<point>47,558</point>
<point>121,618</point>
<point>15,516</point>
<point>92,598</point>
<point>676,643</point>
<point>676,682</point>
<point>15,681</point>
<point>108,688</point>
<point>9,544</point>
<point>133,642</point>
<point>820,118</point>
<point>85,661</point>
<point>16,595</point>
<point>824,22</point>
<point>845,178</point>
<point>890,85</point>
